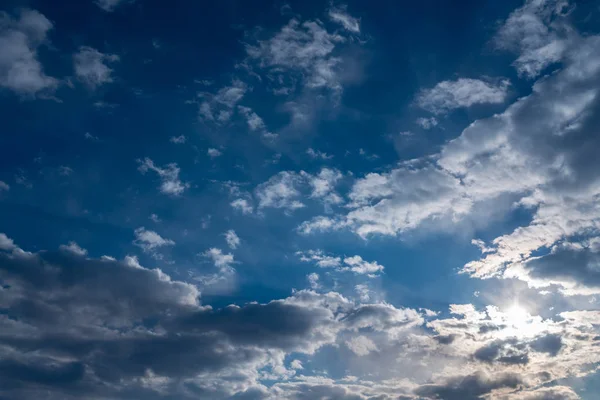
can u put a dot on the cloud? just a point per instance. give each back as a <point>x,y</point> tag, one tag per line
<point>280,191</point>
<point>254,121</point>
<point>169,176</point>
<point>6,243</point>
<point>221,260</point>
<point>150,241</point>
<point>178,139</point>
<point>313,280</point>
<point>340,16</point>
<point>534,32</point>
<point>91,66</point>
<point>4,186</point>
<point>242,205</point>
<point>304,49</point>
<point>531,156</point>
<point>361,345</point>
<point>232,239</point>
<point>427,123</point>
<point>353,264</point>
<point>213,153</point>
<point>115,329</point>
<point>219,107</point>
<point>20,69</point>
<point>462,93</point>
<point>323,185</point>
<point>110,5</point>
<point>316,154</point>
<point>285,189</point>
<point>470,387</point>
<point>74,248</point>
<point>359,266</point>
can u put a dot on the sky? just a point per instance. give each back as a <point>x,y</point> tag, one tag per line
<point>300,200</point>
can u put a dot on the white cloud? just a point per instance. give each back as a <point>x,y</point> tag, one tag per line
<point>427,123</point>
<point>361,345</point>
<point>313,280</point>
<point>6,243</point>
<point>20,69</point>
<point>461,93</point>
<point>213,153</point>
<point>305,48</point>
<point>359,266</point>
<point>532,32</point>
<point>221,260</point>
<point>254,121</point>
<point>219,107</point>
<point>353,264</point>
<point>323,185</point>
<point>4,186</point>
<point>280,191</point>
<point>150,241</point>
<point>169,176</point>
<point>296,364</point>
<point>91,66</point>
<point>242,205</point>
<point>316,154</point>
<point>110,5</point>
<point>232,239</point>
<point>178,139</point>
<point>74,248</point>
<point>340,16</point>
<point>154,218</point>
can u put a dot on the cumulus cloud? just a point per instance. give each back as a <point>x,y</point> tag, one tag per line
<point>461,93</point>
<point>4,186</point>
<point>20,69</point>
<point>169,176</point>
<point>92,67</point>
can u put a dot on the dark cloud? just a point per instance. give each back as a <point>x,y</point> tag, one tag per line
<point>504,351</point>
<point>471,387</point>
<point>106,324</point>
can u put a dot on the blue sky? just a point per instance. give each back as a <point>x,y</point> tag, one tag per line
<point>299,200</point>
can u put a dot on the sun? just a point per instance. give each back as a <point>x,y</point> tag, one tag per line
<point>517,315</point>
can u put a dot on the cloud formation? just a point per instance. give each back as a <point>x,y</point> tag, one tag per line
<point>20,69</point>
